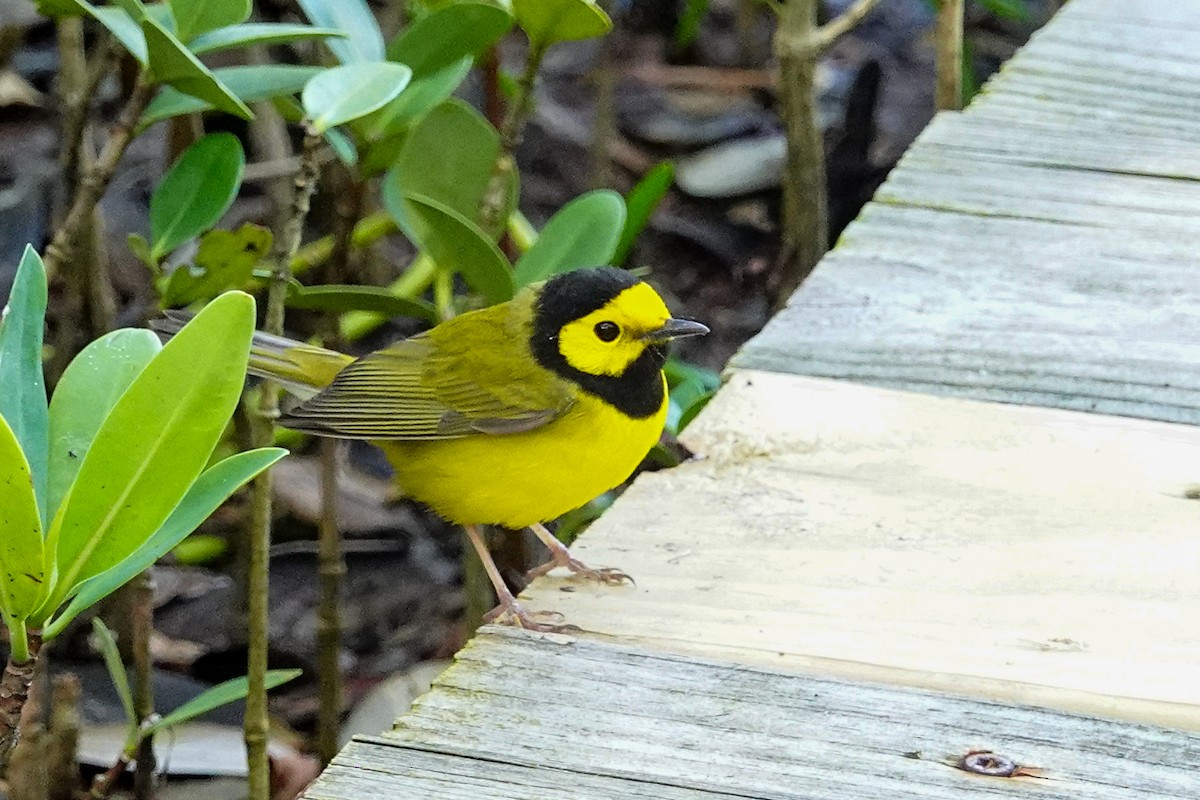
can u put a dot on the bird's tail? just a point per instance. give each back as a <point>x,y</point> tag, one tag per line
<point>302,369</point>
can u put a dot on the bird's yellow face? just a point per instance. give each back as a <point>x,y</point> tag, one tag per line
<point>606,331</point>
<point>609,339</point>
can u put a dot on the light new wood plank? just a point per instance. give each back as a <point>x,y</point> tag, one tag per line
<point>526,716</point>
<point>1032,555</point>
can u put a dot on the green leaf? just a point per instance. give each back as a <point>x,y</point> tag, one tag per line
<point>116,667</point>
<point>199,549</point>
<point>420,96</point>
<point>249,83</point>
<point>686,400</point>
<point>23,398</point>
<point>211,489</point>
<point>257,33</point>
<point>22,564</point>
<point>141,250</point>
<point>363,42</point>
<point>171,63</point>
<point>194,17</point>
<point>338,95</point>
<point>196,192</point>
<point>89,388</point>
<point>60,8</point>
<point>224,261</point>
<point>342,146</point>
<point>640,204</point>
<point>446,36</point>
<point>217,696</point>
<point>678,371</point>
<point>336,299</point>
<point>448,157</point>
<point>458,245</point>
<point>123,28</point>
<point>549,21</point>
<point>153,444</point>
<point>584,233</point>
<point>689,22</point>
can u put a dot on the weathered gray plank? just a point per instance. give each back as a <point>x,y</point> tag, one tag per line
<point>1038,250</point>
<point>563,717</point>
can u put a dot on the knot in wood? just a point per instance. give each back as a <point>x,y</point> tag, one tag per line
<point>985,762</point>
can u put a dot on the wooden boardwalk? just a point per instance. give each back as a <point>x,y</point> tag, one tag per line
<point>876,568</point>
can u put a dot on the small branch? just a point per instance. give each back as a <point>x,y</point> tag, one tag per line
<point>259,539</point>
<point>61,752</point>
<point>949,89</point>
<point>87,194</point>
<point>805,231</point>
<point>14,690</point>
<point>141,627</point>
<point>495,197</point>
<point>332,569</point>
<point>835,29</point>
<point>367,231</point>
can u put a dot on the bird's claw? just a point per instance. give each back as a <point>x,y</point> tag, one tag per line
<point>606,575</point>
<point>515,614</point>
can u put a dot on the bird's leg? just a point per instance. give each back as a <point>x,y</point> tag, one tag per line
<point>560,556</point>
<point>509,611</point>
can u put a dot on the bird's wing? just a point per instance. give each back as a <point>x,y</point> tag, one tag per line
<point>471,375</point>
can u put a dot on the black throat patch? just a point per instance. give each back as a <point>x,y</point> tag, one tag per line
<point>638,391</point>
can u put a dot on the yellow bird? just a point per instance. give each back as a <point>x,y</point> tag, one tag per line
<point>511,415</point>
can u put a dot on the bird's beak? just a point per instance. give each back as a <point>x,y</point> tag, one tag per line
<point>675,329</point>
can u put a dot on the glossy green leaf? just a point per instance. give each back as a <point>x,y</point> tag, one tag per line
<point>338,95</point>
<point>217,696</point>
<point>677,371</point>
<point>23,398</point>
<point>116,667</point>
<point>363,42</point>
<point>257,33</point>
<point>448,157</point>
<point>686,400</point>
<point>22,565</point>
<point>173,64</point>
<point>458,245</point>
<point>550,21</point>
<point>89,388</point>
<point>224,261</point>
<point>584,233</point>
<point>195,193</point>
<point>249,83</point>
<point>153,444</point>
<point>420,96</point>
<point>60,8</point>
<point>211,489</point>
<point>640,204</point>
<point>194,17</point>
<point>444,37</point>
<point>336,299</point>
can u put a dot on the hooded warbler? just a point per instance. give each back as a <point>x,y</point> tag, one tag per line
<point>511,415</point>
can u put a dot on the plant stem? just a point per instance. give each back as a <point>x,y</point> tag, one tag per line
<point>332,570</point>
<point>949,90</point>
<point>141,627</point>
<point>495,197</point>
<point>259,538</point>
<point>367,231</point>
<point>14,686</point>
<point>845,22</point>
<point>805,213</point>
<point>63,247</point>
<point>61,753</point>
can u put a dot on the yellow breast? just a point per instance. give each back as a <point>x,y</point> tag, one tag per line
<point>518,479</point>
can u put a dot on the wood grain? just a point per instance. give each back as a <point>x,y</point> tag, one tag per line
<point>1039,248</point>
<point>580,719</point>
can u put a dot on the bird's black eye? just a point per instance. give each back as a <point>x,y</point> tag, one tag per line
<point>607,331</point>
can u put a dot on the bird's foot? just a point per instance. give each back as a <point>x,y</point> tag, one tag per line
<point>607,575</point>
<point>510,612</point>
